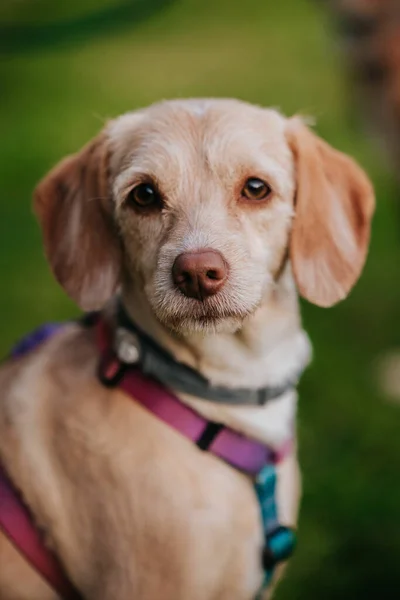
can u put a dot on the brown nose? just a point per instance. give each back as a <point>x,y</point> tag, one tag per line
<point>199,274</point>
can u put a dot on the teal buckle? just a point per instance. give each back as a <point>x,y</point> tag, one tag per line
<point>280,541</point>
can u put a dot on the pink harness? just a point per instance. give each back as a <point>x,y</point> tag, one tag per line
<point>234,448</point>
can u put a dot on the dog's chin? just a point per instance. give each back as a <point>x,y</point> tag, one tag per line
<point>188,325</point>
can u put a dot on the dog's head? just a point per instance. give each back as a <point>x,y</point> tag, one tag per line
<point>200,203</point>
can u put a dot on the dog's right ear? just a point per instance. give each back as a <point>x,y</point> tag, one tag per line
<point>74,206</point>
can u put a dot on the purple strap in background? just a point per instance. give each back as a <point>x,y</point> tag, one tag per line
<point>34,339</point>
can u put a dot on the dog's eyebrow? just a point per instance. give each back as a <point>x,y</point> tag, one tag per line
<point>124,180</point>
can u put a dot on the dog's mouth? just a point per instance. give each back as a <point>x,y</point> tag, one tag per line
<point>207,318</point>
<point>206,324</point>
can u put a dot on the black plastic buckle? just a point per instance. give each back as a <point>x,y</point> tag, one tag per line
<point>89,319</point>
<point>111,370</point>
<point>209,434</point>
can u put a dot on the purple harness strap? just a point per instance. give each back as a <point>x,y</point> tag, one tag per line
<point>236,449</point>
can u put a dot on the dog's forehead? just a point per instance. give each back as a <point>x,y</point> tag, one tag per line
<point>218,132</point>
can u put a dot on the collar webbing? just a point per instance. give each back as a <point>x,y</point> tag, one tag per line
<point>133,346</point>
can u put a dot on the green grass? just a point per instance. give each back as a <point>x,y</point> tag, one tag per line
<point>273,53</point>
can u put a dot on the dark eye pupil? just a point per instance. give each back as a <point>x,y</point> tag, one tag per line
<point>143,194</point>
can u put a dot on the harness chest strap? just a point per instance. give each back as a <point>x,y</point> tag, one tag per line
<point>241,452</point>
<point>18,525</point>
<point>245,454</point>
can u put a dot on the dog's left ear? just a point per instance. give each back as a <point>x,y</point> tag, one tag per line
<point>74,206</point>
<point>333,209</point>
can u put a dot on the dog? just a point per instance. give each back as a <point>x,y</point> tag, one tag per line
<point>204,219</point>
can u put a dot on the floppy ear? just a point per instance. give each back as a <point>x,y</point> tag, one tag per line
<point>74,207</point>
<point>333,210</point>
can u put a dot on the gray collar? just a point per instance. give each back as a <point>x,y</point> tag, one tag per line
<point>134,347</point>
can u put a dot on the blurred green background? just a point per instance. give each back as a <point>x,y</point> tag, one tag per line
<point>65,68</point>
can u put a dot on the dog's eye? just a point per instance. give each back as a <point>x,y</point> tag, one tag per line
<point>144,195</point>
<point>256,189</point>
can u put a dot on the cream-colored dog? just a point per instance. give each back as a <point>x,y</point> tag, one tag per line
<point>132,508</point>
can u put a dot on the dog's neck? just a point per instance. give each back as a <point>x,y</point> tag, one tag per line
<point>269,348</point>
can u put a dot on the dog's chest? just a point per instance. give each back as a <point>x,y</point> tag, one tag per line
<point>161,515</point>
